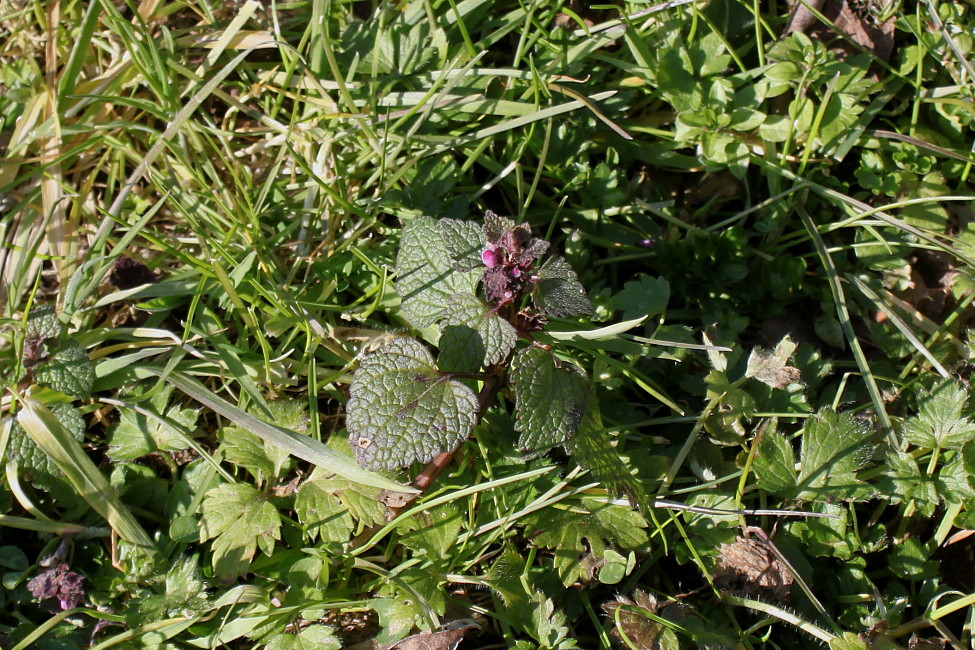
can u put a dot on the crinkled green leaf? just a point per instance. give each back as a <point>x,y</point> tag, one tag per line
<point>569,534</point>
<point>43,323</point>
<point>37,467</point>
<point>137,434</point>
<point>834,448</point>
<point>464,242</point>
<point>939,423</point>
<point>550,398</point>
<point>239,519</point>
<point>425,276</point>
<point>320,509</point>
<point>593,448</point>
<point>558,291</point>
<point>402,410</point>
<point>772,367</point>
<point>473,335</point>
<point>69,370</point>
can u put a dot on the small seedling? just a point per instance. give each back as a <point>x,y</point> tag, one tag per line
<point>484,290</point>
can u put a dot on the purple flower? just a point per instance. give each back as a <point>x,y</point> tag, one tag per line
<point>490,258</point>
<point>58,583</point>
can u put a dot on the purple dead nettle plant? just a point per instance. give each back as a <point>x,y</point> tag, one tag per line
<point>478,292</point>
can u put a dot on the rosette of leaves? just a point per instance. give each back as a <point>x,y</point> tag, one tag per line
<point>483,288</point>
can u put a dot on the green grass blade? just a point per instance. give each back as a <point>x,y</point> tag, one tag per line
<point>301,447</point>
<point>56,441</point>
<point>843,314</point>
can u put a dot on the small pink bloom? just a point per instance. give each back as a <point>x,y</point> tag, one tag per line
<point>516,272</point>
<point>490,258</point>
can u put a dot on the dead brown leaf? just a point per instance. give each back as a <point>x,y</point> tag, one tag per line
<point>447,639</point>
<point>749,568</point>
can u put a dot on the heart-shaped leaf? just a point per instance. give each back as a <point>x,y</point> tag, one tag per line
<point>425,274</point>
<point>473,336</point>
<point>402,410</point>
<point>550,397</point>
<point>559,292</point>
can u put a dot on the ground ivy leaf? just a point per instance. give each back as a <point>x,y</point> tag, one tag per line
<point>473,335</point>
<point>69,370</point>
<point>320,510</point>
<point>464,242</point>
<point>402,410</point>
<point>425,276</point>
<point>939,423</point>
<point>240,520</point>
<point>558,291</point>
<point>771,367</point>
<point>550,398</point>
<point>775,463</point>
<point>834,448</point>
<point>605,525</point>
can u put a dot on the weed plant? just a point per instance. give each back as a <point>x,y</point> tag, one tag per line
<point>741,419</point>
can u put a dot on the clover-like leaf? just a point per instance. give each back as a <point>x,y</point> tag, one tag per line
<point>69,370</point>
<point>558,291</point>
<point>464,242</point>
<point>425,275</point>
<point>402,410</point>
<point>473,335</point>
<point>550,397</point>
